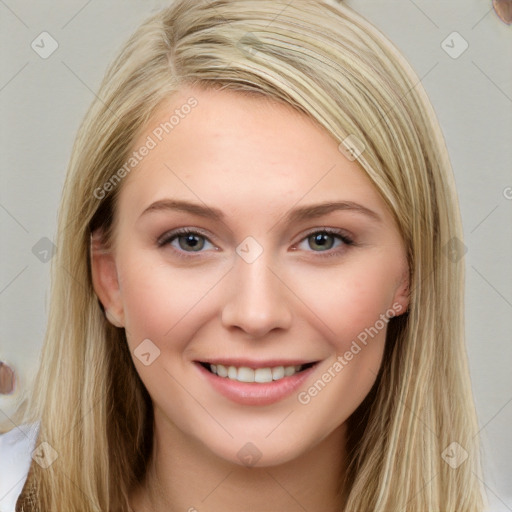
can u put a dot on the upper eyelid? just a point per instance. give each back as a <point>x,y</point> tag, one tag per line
<point>182,231</point>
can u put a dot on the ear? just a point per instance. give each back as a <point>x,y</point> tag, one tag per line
<point>402,293</point>
<point>105,279</point>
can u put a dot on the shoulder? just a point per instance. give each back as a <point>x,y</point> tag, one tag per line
<point>16,447</point>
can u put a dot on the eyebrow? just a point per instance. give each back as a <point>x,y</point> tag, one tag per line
<point>295,215</point>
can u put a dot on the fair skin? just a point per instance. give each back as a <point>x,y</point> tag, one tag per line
<point>306,297</point>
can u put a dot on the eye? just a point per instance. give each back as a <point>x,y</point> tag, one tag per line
<point>187,240</point>
<point>324,240</point>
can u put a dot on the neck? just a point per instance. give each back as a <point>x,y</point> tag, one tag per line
<point>185,475</point>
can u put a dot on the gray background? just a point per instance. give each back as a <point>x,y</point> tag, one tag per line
<point>43,100</point>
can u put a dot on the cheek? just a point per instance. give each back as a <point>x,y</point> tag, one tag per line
<point>352,313</point>
<point>150,305</point>
<point>158,300</point>
<point>347,301</point>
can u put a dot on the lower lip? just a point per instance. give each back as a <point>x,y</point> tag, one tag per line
<point>255,393</point>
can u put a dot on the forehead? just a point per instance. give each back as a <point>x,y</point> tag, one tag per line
<point>224,147</point>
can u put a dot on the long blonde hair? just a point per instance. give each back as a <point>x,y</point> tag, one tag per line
<point>331,64</point>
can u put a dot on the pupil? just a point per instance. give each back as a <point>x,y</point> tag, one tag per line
<point>191,241</point>
<point>320,240</point>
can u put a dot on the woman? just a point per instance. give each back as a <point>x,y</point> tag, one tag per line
<point>257,296</point>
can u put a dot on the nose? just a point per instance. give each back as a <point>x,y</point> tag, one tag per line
<point>259,299</point>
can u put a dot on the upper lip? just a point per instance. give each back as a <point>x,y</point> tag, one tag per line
<point>251,363</point>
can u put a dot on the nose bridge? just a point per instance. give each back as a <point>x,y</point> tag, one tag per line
<point>258,302</point>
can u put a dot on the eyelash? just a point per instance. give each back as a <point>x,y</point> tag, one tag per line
<point>170,237</point>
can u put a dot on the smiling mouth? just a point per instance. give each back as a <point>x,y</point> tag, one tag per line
<point>255,375</point>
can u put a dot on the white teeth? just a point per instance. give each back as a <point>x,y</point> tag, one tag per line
<point>245,374</point>
<point>289,370</point>
<point>222,371</point>
<point>261,375</point>
<point>278,372</point>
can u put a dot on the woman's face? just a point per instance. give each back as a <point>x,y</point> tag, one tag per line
<point>292,259</point>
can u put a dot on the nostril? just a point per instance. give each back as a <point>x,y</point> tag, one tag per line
<point>7,379</point>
